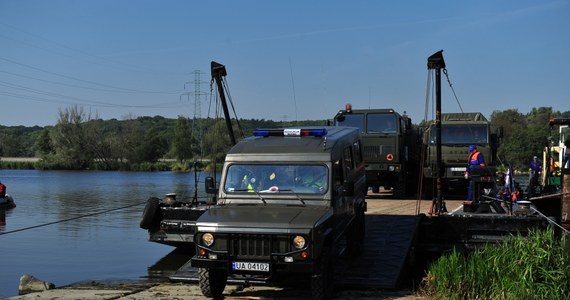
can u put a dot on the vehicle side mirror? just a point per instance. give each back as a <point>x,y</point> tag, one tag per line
<point>339,116</point>
<point>210,186</point>
<point>500,132</point>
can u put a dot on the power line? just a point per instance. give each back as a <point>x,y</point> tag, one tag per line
<point>124,66</point>
<point>81,80</point>
<point>90,102</point>
<point>81,87</point>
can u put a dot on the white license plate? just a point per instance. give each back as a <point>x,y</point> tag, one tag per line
<point>250,266</point>
<point>458,169</point>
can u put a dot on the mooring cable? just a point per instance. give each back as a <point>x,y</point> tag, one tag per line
<point>551,221</point>
<point>71,219</point>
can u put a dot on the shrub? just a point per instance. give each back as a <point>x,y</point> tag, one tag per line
<point>533,267</point>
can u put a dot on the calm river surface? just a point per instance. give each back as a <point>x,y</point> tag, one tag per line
<point>101,242</point>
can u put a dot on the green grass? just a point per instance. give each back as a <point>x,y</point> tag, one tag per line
<point>533,267</point>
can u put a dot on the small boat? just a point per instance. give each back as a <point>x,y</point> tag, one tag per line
<point>7,202</point>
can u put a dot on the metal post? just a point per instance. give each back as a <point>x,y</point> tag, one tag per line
<point>565,221</point>
<point>435,61</point>
<point>218,71</point>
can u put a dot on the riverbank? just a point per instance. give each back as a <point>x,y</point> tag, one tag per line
<point>185,291</point>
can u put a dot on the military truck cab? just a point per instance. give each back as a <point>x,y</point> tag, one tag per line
<point>458,131</point>
<point>390,148</point>
<point>290,201</point>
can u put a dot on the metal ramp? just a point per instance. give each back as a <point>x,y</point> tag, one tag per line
<point>384,261</point>
<point>382,265</point>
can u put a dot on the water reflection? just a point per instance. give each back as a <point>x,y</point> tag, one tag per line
<point>4,213</point>
<point>2,220</point>
<point>170,263</point>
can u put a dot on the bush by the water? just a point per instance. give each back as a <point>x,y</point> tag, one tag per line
<point>536,266</point>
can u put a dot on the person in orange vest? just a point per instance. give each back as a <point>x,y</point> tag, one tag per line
<point>476,158</point>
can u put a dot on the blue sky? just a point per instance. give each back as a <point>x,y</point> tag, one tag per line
<point>286,60</point>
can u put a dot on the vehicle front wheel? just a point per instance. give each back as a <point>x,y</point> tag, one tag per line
<point>212,282</point>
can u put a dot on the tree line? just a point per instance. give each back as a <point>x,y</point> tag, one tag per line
<point>80,141</point>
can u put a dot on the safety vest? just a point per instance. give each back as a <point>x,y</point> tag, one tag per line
<point>473,160</point>
<point>247,183</point>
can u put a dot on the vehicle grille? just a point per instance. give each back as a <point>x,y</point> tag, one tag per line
<point>376,152</point>
<point>251,246</point>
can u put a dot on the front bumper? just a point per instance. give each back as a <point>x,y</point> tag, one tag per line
<point>276,267</point>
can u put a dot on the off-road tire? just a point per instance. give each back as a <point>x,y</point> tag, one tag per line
<point>212,282</point>
<point>428,190</point>
<point>322,283</point>
<point>355,238</point>
<point>400,187</point>
<point>151,216</point>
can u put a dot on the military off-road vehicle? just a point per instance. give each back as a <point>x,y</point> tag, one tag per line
<point>290,202</point>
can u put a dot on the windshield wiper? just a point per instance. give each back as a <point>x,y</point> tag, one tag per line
<point>294,193</point>
<point>259,195</point>
<point>251,191</point>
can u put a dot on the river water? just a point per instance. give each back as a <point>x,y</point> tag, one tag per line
<point>72,226</point>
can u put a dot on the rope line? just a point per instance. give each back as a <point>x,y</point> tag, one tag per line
<point>551,221</point>
<point>71,219</point>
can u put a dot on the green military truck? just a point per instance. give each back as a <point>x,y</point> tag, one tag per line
<point>458,131</point>
<point>289,202</point>
<point>390,147</point>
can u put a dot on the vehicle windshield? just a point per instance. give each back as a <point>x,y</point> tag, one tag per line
<point>381,123</point>
<point>371,122</point>
<point>461,134</point>
<point>352,120</point>
<point>276,178</point>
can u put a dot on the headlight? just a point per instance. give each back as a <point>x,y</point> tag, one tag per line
<point>299,242</point>
<point>208,239</point>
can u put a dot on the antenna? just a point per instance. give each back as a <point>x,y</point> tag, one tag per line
<point>293,83</point>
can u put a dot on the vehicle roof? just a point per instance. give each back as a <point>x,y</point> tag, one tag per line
<point>311,147</point>
<point>456,117</point>
<point>372,110</point>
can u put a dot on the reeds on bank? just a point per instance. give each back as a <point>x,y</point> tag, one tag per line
<point>536,266</point>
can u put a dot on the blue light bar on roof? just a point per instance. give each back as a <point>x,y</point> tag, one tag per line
<point>290,132</point>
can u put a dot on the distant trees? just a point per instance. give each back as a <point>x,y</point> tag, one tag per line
<point>82,141</point>
<point>72,141</point>
<point>525,135</point>
<point>79,141</point>
<point>18,141</point>
<point>183,140</point>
